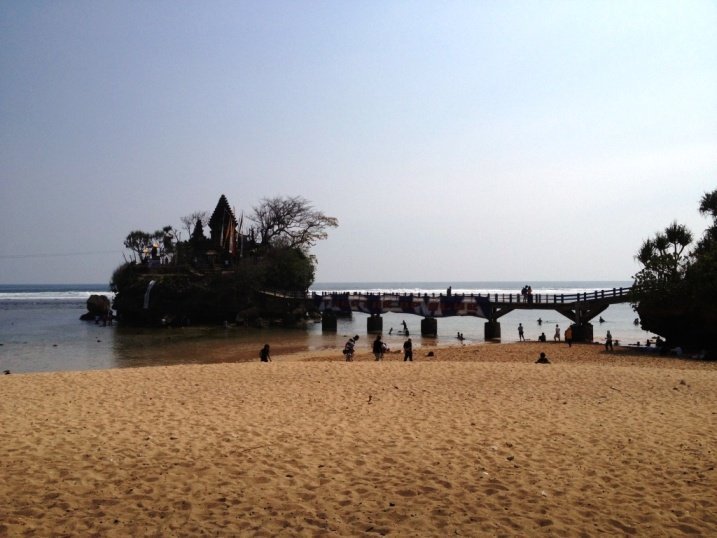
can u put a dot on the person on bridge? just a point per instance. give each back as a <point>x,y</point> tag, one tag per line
<point>556,338</point>
<point>521,336</point>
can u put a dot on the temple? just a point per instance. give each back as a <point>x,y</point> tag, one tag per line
<point>224,228</point>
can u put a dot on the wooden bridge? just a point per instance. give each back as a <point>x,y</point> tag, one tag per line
<point>580,308</point>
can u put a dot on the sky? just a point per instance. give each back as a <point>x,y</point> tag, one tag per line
<point>453,141</point>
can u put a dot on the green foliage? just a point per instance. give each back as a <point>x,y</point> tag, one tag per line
<point>123,276</point>
<point>287,269</point>
<point>675,292</point>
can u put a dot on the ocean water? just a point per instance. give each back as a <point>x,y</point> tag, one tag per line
<point>40,328</point>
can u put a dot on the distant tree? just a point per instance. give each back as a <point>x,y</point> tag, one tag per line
<point>663,257</point>
<point>189,222</point>
<point>675,293</point>
<point>138,242</point>
<point>289,222</point>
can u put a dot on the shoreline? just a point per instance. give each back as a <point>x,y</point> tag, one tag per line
<point>477,440</point>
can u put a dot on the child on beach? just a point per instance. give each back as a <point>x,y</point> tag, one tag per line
<point>264,354</point>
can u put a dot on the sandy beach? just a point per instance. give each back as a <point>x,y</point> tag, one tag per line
<point>475,441</point>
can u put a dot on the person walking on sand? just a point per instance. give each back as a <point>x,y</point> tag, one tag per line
<point>408,350</point>
<point>378,348</point>
<point>556,338</point>
<point>569,335</point>
<point>521,337</point>
<point>349,348</point>
<point>265,354</point>
<point>608,341</point>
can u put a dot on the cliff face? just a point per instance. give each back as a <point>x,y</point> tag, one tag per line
<point>680,323</point>
<point>181,298</point>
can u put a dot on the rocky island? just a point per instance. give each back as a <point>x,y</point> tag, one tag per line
<point>256,277</point>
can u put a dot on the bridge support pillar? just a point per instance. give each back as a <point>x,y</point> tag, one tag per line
<point>374,324</point>
<point>328,321</point>
<point>582,332</point>
<point>492,330</point>
<point>429,327</point>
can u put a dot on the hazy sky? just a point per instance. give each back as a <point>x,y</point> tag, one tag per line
<point>480,140</point>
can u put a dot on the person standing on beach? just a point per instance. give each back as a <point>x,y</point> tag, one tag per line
<point>521,337</point>
<point>608,341</point>
<point>378,348</point>
<point>265,354</point>
<point>408,351</point>
<point>569,335</point>
<point>556,338</point>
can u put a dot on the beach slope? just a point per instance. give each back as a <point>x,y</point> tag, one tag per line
<point>478,440</point>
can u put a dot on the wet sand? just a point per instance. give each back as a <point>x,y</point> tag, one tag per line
<point>477,440</point>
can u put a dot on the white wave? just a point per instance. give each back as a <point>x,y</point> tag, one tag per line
<point>51,296</point>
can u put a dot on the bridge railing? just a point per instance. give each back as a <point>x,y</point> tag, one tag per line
<point>561,298</point>
<point>514,298</point>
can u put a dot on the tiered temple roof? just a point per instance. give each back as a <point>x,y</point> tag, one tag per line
<point>223,226</point>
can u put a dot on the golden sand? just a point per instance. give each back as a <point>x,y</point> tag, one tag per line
<point>477,441</point>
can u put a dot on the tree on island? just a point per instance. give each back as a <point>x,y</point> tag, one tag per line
<point>289,222</point>
<point>675,293</point>
<point>141,243</point>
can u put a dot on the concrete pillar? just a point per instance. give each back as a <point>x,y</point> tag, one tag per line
<point>582,332</point>
<point>492,330</point>
<point>374,324</point>
<point>429,327</point>
<point>328,321</point>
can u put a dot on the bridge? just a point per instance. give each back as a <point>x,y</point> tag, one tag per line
<point>580,308</point>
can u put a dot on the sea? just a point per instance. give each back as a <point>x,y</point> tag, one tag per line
<point>41,331</point>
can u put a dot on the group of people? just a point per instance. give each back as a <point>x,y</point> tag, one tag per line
<point>527,293</point>
<point>378,348</point>
<point>403,331</point>
<point>568,335</point>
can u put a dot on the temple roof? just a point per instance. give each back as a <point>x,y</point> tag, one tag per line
<point>219,218</point>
